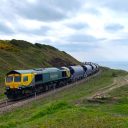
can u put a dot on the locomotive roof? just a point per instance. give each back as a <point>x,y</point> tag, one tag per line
<point>20,72</point>
<point>38,71</point>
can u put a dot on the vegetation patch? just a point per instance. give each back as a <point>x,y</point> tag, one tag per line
<point>50,109</point>
<point>68,109</point>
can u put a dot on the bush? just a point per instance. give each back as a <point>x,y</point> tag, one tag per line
<point>114,74</point>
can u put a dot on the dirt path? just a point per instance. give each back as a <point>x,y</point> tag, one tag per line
<point>103,92</point>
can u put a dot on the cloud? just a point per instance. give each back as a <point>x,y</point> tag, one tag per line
<point>114,27</point>
<point>78,25</point>
<point>36,31</point>
<point>5,29</point>
<point>45,10</point>
<point>119,42</point>
<point>76,47</point>
<point>93,11</point>
<point>85,38</point>
<point>6,11</point>
<point>115,5</point>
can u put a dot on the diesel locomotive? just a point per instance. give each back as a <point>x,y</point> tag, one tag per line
<point>22,83</point>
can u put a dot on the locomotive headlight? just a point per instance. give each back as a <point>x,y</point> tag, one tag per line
<point>7,88</point>
<point>20,87</point>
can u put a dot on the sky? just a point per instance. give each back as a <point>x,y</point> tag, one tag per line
<point>89,30</point>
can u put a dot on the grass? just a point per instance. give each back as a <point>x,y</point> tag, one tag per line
<point>66,109</point>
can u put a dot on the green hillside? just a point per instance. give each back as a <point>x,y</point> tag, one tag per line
<point>19,54</point>
<point>71,109</point>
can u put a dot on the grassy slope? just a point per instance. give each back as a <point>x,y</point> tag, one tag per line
<point>17,54</point>
<point>67,110</point>
<point>21,54</point>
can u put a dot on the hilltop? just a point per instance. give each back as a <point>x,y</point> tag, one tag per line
<point>19,54</point>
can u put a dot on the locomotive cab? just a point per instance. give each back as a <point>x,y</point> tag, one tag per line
<point>16,80</point>
<point>13,80</point>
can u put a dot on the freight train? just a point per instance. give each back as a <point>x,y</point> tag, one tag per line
<point>23,83</point>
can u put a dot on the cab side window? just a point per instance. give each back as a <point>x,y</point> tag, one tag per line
<point>38,77</point>
<point>25,78</point>
<point>17,79</point>
<point>9,79</point>
<point>64,74</point>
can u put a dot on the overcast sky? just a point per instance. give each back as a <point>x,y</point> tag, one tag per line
<point>91,30</point>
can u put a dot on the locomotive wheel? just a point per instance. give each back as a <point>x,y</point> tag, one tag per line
<point>60,84</point>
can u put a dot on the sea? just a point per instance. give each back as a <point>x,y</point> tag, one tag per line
<point>123,65</point>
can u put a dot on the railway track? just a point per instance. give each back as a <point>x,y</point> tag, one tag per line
<point>2,103</point>
<point>7,105</point>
